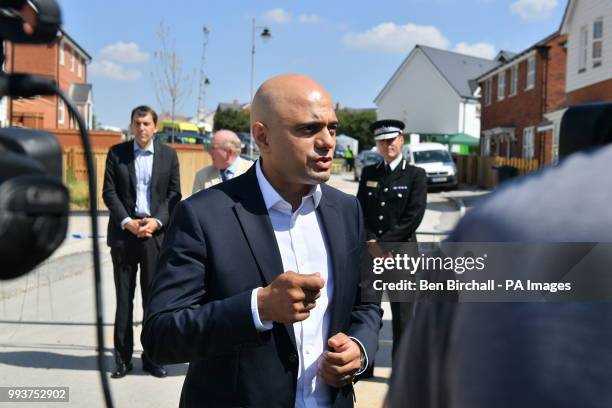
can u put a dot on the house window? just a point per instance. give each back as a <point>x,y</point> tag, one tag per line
<point>71,61</point>
<point>79,69</point>
<point>528,143</point>
<point>486,145</point>
<point>61,112</point>
<point>62,58</point>
<point>583,48</point>
<point>488,91</point>
<point>531,72</point>
<point>513,80</point>
<point>597,42</point>
<point>501,85</point>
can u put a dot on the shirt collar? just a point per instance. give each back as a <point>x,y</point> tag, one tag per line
<point>232,167</point>
<point>271,196</point>
<point>395,162</point>
<point>149,148</point>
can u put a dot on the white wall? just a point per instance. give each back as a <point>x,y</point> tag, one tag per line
<point>585,13</point>
<point>469,113</point>
<point>421,98</point>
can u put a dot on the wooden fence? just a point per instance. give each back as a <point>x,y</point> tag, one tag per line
<point>481,171</point>
<point>191,160</point>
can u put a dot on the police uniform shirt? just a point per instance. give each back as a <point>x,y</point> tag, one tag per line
<point>393,200</point>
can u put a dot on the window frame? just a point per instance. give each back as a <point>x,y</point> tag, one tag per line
<point>488,91</point>
<point>513,80</point>
<point>501,85</point>
<point>529,143</point>
<point>62,56</point>
<point>531,73</point>
<point>61,112</point>
<point>597,61</point>
<point>583,49</point>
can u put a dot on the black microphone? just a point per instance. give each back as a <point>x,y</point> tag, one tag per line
<point>47,23</point>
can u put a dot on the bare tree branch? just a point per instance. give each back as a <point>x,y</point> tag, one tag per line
<point>172,86</point>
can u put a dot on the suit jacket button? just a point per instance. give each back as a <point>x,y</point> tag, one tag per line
<point>293,358</point>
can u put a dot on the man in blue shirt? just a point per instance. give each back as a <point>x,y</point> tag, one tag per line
<point>141,186</point>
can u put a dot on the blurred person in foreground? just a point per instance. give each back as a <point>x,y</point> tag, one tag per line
<point>544,355</point>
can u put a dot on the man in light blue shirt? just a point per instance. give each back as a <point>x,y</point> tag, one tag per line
<point>141,186</point>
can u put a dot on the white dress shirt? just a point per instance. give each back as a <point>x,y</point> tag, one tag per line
<point>395,162</point>
<point>303,250</point>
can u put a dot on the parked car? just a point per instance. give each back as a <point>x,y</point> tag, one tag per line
<point>180,137</point>
<point>340,150</point>
<point>207,140</point>
<point>248,146</point>
<point>435,159</point>
<point>365,158</point>
<point>167,125</point>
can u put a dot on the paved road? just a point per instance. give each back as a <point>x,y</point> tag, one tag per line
<point>47,337</point>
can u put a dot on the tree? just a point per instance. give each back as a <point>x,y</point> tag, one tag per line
<point>357,124</point>
<point>171,84</point>
<point>236,120</point>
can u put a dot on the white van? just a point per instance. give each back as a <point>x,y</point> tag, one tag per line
<point>435,159</point>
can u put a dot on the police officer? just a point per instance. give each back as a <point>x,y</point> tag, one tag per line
<point>393,196</point>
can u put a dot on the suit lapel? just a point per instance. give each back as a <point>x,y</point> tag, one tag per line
<point>157,153</point>
<point>258,231</point>
<point>132,169</point>
<point>331,221</point>
<point>257,228</point>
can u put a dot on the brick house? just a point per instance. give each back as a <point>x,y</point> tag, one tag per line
<point>65,61</point>
<point>516,96</point>
<point>587,25</point>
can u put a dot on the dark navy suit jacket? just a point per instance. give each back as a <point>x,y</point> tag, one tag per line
<point>119,190</point>
<point>219,246</point>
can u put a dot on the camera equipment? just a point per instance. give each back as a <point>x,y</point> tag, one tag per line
<point>585,126</point>
<point>34,203</point>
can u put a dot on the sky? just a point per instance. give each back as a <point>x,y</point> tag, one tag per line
<point>352,47</point>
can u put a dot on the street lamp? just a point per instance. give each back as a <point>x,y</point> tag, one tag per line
<point>265,35</point>
<point>204,82</point>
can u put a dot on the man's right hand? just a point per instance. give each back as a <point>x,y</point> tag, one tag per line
<point>290,297</point>
<point>133,226</point>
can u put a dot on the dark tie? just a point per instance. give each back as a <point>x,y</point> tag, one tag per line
<point>387,169</point>
<point>224,175</point>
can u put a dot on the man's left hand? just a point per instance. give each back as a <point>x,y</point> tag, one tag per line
<point>338,367</point>
<point>147,228</point>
